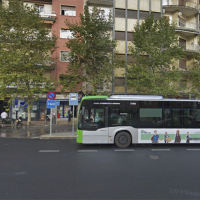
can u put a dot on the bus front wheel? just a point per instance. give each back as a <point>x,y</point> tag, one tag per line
<point>123,139</point>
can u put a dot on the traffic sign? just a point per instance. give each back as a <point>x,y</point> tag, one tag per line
<point>51,103</point>
<point>57,103</point>
<point>51,95</point>
<point>73,99</point>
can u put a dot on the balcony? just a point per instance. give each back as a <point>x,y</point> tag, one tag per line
<point>48,16</point>
<point>188,8</point>
<point>186,28</point>
<point>46,65</point>
<point>190,47</point>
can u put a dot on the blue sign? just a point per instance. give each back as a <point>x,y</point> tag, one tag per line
<point>73,99</point>
<point>51,103</point>
<point>57,103</point>
<point>23,105</point>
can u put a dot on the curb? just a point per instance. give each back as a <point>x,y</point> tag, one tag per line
<point>57,137</point>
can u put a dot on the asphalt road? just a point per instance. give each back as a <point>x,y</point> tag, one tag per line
<point>62,169</point>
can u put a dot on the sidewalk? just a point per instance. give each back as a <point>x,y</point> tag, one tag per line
<point>66,135</point>
<point>40,130</point>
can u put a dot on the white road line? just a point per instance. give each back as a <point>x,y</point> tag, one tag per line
<point>160,149</point>
<point>49,151</point>
<point>124,150</point>
<point>87,151</point>
<point>193,149</point>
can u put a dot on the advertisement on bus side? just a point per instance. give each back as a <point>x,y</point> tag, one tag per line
<point>168,136</point>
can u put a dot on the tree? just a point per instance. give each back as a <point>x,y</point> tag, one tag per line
<point>194,75</point>
<point>91,52</point>
<point>155,50</point>
<point>25,53</point>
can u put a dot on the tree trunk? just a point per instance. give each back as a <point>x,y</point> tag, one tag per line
<point>29,114</point>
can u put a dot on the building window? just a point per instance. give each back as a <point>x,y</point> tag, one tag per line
<point>182,64</point>
<point>119,81</point>
<point>100,86</point>
<point>120,35</point>
<point>39,8</point>
<point>132,14</point>
<point>68,10</point>
<point>66,33</point>
<point>64,56</point>
<point>182,43</point>
<point>143,15</point>
<point>120,13</point>
<point>182,22</point>
<point>156,15</point>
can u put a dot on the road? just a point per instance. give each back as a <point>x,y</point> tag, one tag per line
<point>62,169</point>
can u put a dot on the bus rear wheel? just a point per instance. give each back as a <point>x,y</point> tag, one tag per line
<point>123,139</point>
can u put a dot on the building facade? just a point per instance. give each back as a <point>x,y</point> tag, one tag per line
<point>126,14</point>
<point>53,13</point>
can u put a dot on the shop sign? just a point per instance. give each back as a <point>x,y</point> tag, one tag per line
<point>23,105</point>
<point>34,108</point>
<point>17,108</point>
<point>57,103</point>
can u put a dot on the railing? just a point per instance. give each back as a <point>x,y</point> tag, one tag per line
<point>180,3</point>
<point>189,46</point>
<point>187,25</point>
<point>47,13</point>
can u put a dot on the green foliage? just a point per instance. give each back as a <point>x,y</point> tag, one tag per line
<point>24,48</point>
<point>155,48</point>
<point>91,52</point>
<point>194,75</point>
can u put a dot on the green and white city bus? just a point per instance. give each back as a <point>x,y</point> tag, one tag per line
<point>126,119</point>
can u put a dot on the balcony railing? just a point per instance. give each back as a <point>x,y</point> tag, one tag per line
<point>189,46</point>
<point>187,25</point>
<point>180,3</point>
<point>47,14</point>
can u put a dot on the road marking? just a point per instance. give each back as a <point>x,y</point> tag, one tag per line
<point>49,151</point>
<point>160,149</point>
<point>86,151</point>
<point>20,173</point>
<point>193,149</point>
<point>124,150</point>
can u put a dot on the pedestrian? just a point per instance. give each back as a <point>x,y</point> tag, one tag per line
<point>4,115</point>
<point>69,116</point>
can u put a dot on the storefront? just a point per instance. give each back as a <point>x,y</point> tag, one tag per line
<point>38,108</point>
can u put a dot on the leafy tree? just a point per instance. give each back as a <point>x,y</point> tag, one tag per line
<point>25,53</point>
<point>194,75</point>
<point>91,52</point>
<point>155,50</point>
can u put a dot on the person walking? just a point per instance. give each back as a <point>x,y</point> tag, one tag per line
<point>4,115</point>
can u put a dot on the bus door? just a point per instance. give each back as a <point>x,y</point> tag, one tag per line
<point>95,128</point>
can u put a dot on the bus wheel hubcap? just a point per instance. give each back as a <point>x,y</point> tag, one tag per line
<point>123,139</point>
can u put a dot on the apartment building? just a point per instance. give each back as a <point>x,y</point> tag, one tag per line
<point>128,13</point>
<point>53,13</point>
<point>185,15</point>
